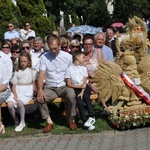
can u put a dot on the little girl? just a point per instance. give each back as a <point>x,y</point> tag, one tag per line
<point>76,77</point>
<point>22,89</point>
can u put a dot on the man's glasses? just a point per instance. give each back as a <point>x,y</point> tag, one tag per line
<point>9,26</point>
<point>23,48</point>
<point>74,46</point>
<point>17,52</point>
<point>5,47</point>
<point>88,44</point>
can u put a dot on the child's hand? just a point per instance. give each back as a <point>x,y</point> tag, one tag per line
<point>81,95</point>
<point>83,86</point>
<point>15,97</point>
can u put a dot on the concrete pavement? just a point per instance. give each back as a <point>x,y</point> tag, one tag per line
<point>137,139</point>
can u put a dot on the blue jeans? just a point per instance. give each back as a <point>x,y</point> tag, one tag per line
<point>87,100</point>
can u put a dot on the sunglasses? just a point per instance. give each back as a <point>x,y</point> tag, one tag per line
<point>75,46</point>
<point>5,47</point>
<point>23,48</point>
<point>9,26</point>
<point>64,47</point>
<point>17,52</point>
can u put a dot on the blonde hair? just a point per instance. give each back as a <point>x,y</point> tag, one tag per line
<point>64,41</point>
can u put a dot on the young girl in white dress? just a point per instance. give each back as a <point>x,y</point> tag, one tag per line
<point>23,84</point>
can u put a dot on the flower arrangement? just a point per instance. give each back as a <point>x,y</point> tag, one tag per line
<point>130,120</point>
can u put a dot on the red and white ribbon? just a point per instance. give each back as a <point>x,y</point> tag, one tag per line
<point>144,95</point>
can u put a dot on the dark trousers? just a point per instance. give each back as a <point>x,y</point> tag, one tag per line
<point>87,100</point>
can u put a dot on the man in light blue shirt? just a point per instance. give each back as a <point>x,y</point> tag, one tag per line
<point>100,43</point>
<point>52,69</point>
<point>11,33</point>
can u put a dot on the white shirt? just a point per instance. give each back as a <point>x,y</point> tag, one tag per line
<point>31,33</point>
<point>22,34</point>
<point>55,67</point>
<point>76,74</point>
<point>6,60</point>
<point>11,35</point>
<point>36,54</point>
<point>35,62</point>
<point>3,74</point>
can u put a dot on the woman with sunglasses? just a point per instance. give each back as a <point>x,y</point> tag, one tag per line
<point>26,47</point>
<point>15,53</point>
<point>5,47</point>
<point>64,42</point>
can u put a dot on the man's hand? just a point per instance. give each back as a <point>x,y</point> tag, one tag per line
<point>40,96</point>
<point>15,97</point>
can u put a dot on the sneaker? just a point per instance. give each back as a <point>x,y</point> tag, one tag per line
<point>92,127</point>
<point>89,122</point>
<point>19,128</point>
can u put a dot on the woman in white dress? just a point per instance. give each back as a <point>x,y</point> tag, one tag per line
<point>23,86</point>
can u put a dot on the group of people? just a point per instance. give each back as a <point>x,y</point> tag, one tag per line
<point>58,66</point>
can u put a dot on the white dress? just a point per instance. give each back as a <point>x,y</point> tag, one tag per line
<point>23,80</point>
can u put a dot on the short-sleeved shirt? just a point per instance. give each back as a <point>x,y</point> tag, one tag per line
<point>107,53</point>
<point>31,33</point>
<point>55,67</point>
<point>4,78</point>
<point>6,60</point>
<point>11,35</point>
<point>76,74</point>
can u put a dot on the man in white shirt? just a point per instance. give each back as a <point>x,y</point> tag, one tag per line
<point>37,47</point>
<point>53,64</point>
<point>11,33</point>
<point>28,31</point>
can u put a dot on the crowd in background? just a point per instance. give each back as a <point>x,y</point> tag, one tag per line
<point>23,55</point>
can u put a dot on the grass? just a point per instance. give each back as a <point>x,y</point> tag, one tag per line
<point>35,125</point>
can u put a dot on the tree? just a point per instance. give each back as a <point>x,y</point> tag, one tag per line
<point>94,12</point>
<point>34,12</point>
<point>129,8</point>
<point>9,13</point>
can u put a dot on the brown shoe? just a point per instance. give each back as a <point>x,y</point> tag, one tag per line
<point>48,128</point>
<point>72,126</point>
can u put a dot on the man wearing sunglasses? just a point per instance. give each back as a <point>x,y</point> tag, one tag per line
<point>11,33</point>
<point>28,31</point>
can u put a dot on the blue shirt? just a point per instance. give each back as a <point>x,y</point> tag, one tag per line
<point>55,67</point>
<point>11,35</point>
<point>107,53</point>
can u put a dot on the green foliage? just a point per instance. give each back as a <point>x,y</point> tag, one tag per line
<point>129,8</point>
<point>8,13</point>
<point>91,10</point>
<point>31,11</point>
